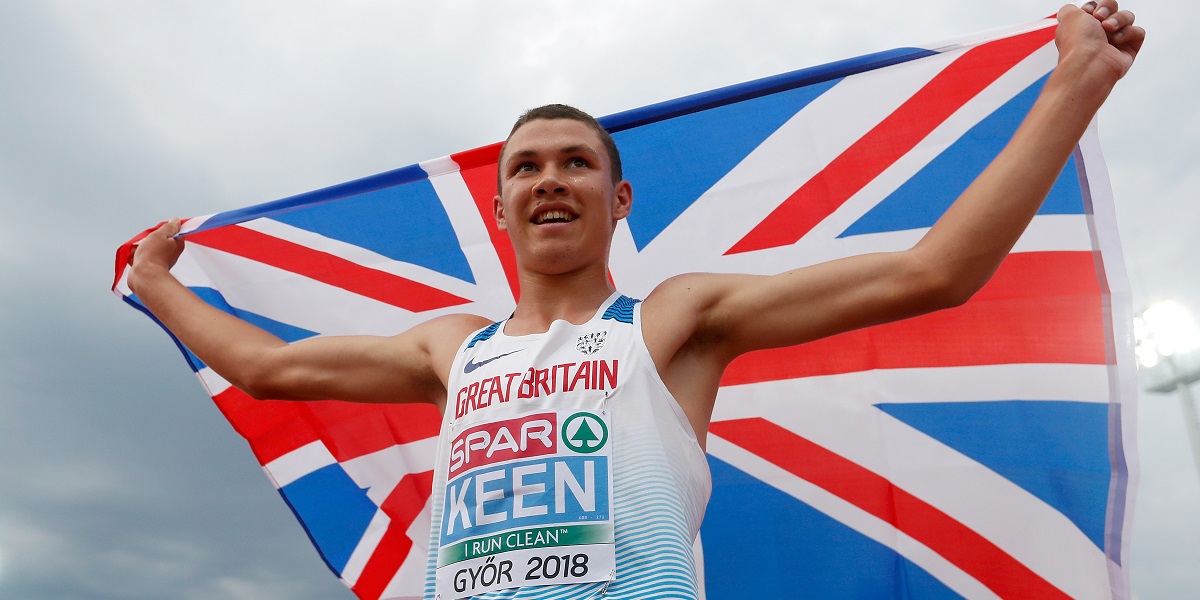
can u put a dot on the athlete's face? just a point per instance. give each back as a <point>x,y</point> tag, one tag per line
<point>557,199</point>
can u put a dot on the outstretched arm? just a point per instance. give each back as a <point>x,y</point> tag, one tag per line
<point>707,320</point>
<point>410,367</point>
<point>1097,46</point>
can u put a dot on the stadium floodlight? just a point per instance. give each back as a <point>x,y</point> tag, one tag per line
<point>1167,337</point>
<point>1164,329</point>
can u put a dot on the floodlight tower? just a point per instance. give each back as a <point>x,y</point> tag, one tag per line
<point>1167,338</point>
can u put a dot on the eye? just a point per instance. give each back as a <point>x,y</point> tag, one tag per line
<point>525,167</point>
<point>577,162</point>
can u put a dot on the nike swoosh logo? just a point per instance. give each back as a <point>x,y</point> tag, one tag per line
<point>472,365</point>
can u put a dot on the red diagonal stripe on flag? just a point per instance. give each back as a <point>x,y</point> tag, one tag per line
<point>349,430</point>
<point>1039,307</point>
<point>402,507</point>
<point>326,268</point>
<point>891,139</point>
<point>957,543</point>
<point>478,169</point>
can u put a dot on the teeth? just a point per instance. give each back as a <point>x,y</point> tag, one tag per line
<point>552,215</point>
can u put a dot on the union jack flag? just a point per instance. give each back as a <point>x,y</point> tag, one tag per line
<point>979,452</point>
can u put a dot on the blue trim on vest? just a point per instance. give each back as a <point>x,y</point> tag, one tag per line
<point>485,335</point>
<point>621,310</point>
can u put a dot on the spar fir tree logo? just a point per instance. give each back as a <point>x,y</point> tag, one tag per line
<point>584,432</point>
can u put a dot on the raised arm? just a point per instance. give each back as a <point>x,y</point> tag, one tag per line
<point>697,323</point>
<point>410,367</point>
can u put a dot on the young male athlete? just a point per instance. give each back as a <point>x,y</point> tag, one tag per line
<point>587,476</point>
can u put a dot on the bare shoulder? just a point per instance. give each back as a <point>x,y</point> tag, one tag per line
<point>427,350</point>
<point>680,310</point>
<point>669,299</point>
<point>455,325</point>
<point>693,296</point>
<point>442,336</point>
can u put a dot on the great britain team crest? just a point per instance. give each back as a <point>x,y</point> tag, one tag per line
<point>591,343</point>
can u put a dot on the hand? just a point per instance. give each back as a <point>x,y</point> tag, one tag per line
<point>158,250</point>
<point>1099,35</point>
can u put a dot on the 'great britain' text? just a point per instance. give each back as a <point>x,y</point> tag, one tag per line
<point>535,383</point>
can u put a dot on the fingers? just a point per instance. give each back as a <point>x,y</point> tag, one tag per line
<point>1109,15</point>
<point>1117,24</point>
<point>1121,29</point>
<point>1101,9</point>
<point>171,227</point>
<point>1128,36</point>
<point>159,238</point>
<point>156,252</point>
<point>1129,40</point>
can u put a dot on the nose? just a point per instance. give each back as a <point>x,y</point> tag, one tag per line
<point>551,182</point>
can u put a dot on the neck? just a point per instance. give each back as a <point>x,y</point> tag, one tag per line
<point>573,297</point>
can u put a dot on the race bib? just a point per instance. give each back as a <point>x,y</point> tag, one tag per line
<point>528,501</point>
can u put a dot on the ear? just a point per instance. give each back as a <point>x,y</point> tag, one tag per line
<point>498,212</point>
<point>622,200</point>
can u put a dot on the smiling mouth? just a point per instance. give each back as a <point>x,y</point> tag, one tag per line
<point>553,216</point>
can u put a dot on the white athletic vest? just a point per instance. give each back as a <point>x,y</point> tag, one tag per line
<point>536,430</point>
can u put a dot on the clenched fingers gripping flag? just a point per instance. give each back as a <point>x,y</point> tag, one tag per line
<point>981,452</point>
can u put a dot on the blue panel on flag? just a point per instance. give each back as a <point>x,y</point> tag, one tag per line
<point>673,162</point>
<point>334,510</point>
<point>922,199</point>
<point>1058,451</point>
<point>752,528</point>
<point>406,223</point>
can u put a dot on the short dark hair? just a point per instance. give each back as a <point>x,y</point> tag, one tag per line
<point>562,111</point>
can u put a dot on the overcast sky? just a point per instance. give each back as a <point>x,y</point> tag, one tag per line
<point>119,479</point>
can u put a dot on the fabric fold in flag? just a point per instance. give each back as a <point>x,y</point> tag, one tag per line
<point>983,451</point>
